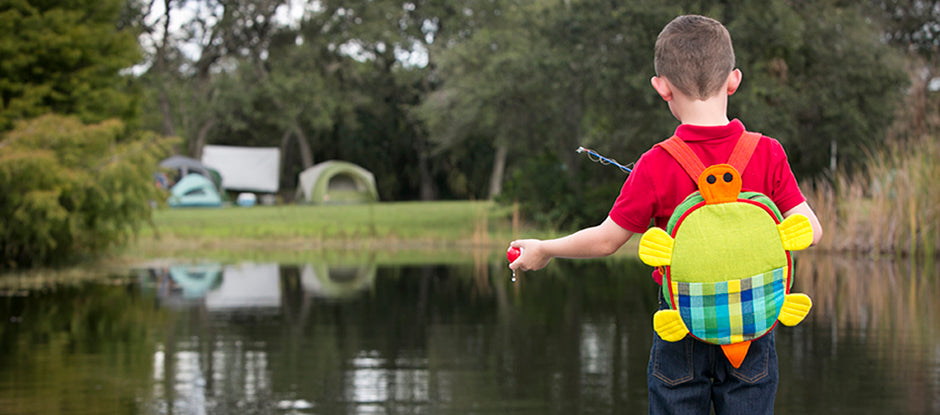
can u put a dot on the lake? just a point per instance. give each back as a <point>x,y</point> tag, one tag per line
<point>269,338</point>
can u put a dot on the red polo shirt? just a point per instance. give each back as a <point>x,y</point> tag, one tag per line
<point>658,183</point>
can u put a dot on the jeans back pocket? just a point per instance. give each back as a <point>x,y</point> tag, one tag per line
<point>671,362</point>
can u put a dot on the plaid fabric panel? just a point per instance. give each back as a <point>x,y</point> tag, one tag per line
<point>732,311</point>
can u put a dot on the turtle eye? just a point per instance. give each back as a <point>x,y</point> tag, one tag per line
<point>711,179</point>
<point>728,177</point>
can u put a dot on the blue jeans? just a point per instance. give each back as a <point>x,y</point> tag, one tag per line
<point>688,376</point>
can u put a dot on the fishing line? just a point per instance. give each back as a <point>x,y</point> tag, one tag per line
<point>598,158</point>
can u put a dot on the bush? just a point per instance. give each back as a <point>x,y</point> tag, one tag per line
<point>69,189</point>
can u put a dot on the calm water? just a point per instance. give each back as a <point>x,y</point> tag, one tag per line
<point>426,339</point>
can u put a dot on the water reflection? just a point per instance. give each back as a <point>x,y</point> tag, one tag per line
<point>259,338</point>
<point>250,285</point>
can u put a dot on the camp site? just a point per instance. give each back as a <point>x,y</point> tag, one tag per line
<point>466,207</point>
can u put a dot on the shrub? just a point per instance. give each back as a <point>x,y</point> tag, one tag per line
<point>69,189</point>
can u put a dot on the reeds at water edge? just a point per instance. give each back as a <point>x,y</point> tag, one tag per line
<point>891,208</point>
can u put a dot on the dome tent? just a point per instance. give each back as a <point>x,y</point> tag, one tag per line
<point>194,190</point>
<point>337,182</point>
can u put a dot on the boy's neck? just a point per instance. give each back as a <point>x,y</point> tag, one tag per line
<point>710,112</point>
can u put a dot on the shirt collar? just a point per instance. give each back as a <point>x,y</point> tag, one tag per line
<point>690,132</point>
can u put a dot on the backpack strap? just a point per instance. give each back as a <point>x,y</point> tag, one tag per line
<point>681,151</point>
<point>692,165</point>
<point>743,150</point>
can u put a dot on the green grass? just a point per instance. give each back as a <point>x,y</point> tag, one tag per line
<point>450,221</point>
<point>295,233</point>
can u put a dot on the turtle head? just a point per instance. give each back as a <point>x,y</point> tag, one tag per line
<point>720,183</point>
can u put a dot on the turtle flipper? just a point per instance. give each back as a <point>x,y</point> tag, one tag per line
<point>795,308</point>
<point>668,324</point>
<point>796,232</point>
<point>656,248</point>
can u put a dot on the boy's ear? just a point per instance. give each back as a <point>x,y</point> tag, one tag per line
<point>734,81</point>
<point>662,87</point>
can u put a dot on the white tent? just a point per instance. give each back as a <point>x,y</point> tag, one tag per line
<point>252,169</point>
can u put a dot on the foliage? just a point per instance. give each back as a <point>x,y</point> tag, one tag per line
<point>64,57</point>
<point>911,24</point>
<point>820,75</point>
<point>72,189</point>
<point>440,99</point>
<point>552,77</point>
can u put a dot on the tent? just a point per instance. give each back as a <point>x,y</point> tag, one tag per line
<point>250,169</point>
<point>196,280</point>
<point>337,181</point>
<point>194,190</point>
<point>336,281</point>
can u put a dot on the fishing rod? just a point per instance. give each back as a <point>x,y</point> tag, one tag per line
<point>598,158</point>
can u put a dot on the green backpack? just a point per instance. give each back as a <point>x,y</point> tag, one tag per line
<point>725,257</point>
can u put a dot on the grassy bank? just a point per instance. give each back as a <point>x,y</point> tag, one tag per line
<point>892,207</point>
<point>293,233</point>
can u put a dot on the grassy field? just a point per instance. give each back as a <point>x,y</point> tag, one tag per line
<point>292,233</point>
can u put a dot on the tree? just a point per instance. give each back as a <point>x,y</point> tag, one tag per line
<point>549,76</point>
<point>71,189</point>
<point>914,27</point>
<point>65,57</point>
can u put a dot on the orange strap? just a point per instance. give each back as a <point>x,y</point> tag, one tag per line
<point>743,150</point>
<point>681,151</point>
<point>692,165</point>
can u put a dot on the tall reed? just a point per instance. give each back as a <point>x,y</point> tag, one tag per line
<point>893,207</point>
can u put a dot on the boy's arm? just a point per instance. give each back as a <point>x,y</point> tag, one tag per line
<point>598,241</point>
<point>805,210</point>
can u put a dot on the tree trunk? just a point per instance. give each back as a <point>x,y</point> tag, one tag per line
<point>168,128</point>
<point>306,153</point>
<point>161,69</point>
<point>499,167</point>
<point>195,147</point>
<point>427,183</point>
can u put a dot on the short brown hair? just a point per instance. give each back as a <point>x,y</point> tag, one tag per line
<point>695,54</point>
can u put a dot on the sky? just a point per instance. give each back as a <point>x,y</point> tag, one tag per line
<point>289,14</point>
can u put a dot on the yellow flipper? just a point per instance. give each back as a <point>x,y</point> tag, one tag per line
<point>656,248</point>
<point>795,308</point>
<point>796,232</point>
<point>668,324</point>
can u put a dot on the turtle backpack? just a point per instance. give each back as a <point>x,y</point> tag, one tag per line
<point>725,257</point>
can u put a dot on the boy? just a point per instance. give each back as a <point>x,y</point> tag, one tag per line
<point>695,75</point>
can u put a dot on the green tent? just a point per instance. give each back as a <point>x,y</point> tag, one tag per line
<point>337,182</point>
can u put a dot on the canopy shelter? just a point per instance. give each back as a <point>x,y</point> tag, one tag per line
<point>247,286</point>
<point>250,169</point>
<point>186,165</point>
<point>338,182</point>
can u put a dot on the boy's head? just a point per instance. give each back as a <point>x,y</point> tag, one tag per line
<point>695,54</point>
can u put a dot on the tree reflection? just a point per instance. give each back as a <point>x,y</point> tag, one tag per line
<point>82,348</point>
<point>350,338</point>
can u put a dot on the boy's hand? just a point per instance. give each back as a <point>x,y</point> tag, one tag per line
<point>533,256</point>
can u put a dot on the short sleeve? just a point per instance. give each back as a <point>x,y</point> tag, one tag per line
<point>636,204</point>
<point>786,193</point>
